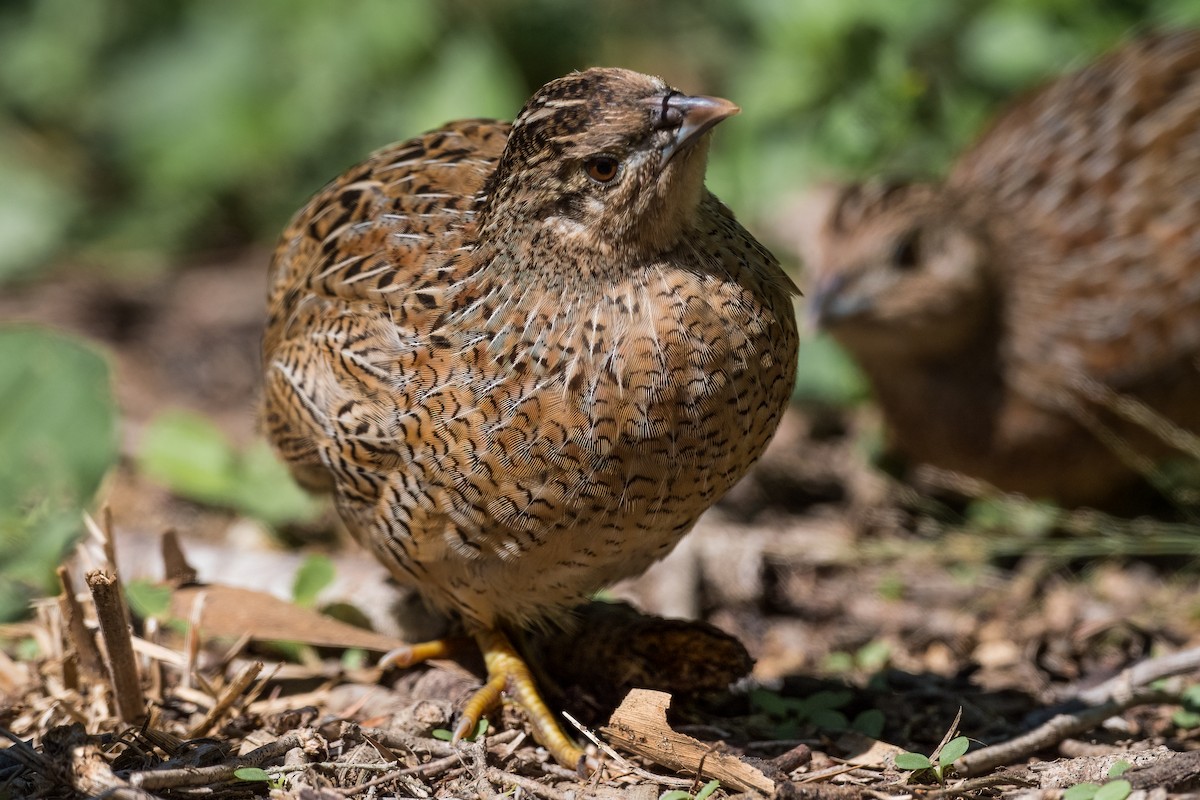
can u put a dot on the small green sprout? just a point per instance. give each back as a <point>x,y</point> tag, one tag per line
<point>447,735</point>
<point>705,791</point>
<point>258,775</point>
<point>1188,714</point>
<point>1112,790</point>
<point>918,763</point>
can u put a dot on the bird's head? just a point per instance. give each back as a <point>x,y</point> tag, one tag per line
<point>606,160</point>
<point>895,268</point>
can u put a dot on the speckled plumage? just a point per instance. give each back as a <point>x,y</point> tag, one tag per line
<point>520,383</point>
<point>1006,315</point>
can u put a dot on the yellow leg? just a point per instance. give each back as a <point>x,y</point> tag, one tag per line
<point>507,670</point>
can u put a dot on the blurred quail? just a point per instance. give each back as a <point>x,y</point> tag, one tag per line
<point>525,358</point>
<point>1034,320</point>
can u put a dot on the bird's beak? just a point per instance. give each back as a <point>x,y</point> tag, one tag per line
<point>830,303</point>
<point>691,116</point>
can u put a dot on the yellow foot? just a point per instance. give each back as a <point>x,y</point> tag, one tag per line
<point>411,654</point>
<point>507,671</point>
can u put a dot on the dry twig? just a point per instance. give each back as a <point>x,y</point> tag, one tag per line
<point>228,697</point>
<point>82,640</point>
<point>152,780</point>
<point>114,630</point>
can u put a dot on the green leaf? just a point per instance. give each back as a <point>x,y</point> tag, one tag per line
<point>827,376</point>
<point>1191,697</point>
<point>1114,790</point>
<point>191,456</point>
<point>775,704</point>
<point>954,750</point>
<point>148,599</point>
<point>828,699</point>
<point>37,207</point>
<point>675,794</point>
<point>252,774</point>
<point>869,723</point>
<point>873,655</point>
<point>707,789</point>
<point>316,573</point>
<point>837,662</point>
<point>828,719</point>
<point>266,490</point>
<point>1183,718</point>
<point>58,437</point>
<point>1081,791</point>
<point>442,734</point>
<point>353,658</point>
<point>1118,769</point>
<point>912,761</point>
<point>1026,518</point>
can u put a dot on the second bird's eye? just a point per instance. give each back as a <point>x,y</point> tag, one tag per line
<point>907,252</point>
<point>602,169</point>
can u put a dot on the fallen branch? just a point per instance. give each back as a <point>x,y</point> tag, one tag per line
<point>152,780</point>
<point>1054,731</point>
<point>1140,674</point>
<point>1180,773</point>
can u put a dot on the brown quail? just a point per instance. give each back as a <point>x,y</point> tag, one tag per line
<point>1034,320</point>
<point>525,358</point>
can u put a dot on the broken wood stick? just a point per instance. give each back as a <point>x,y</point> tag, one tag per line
<point>82,640</point>
<point>118,644</point>
<point>236,688</point>
<point>640,726</point>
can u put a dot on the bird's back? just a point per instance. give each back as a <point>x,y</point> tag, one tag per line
<point>1092,187</point>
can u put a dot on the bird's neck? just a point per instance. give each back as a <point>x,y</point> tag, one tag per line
<point>553,257</point>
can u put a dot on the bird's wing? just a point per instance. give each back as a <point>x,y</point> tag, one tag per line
<point>364,251</point>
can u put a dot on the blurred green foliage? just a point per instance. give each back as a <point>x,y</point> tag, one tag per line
<point>58,436</point>
<point>191,456</point>
<point>314,575</point>
<point>133,131</point>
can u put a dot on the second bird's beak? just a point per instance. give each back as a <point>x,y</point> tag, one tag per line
<point>830,303</point>
<point>691,116</point>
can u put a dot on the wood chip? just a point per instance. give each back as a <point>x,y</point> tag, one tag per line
<point>640,726</point>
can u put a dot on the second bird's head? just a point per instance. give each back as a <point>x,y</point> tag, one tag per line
<point>606,159</point>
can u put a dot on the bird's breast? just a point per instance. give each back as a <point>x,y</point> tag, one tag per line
<point>671,382</point>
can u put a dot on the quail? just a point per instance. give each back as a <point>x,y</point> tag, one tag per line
<point>525,357</point>
<point>1034,319</point>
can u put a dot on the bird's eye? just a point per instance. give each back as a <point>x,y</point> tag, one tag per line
<point>602,169</point>
<point>907,254</point>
